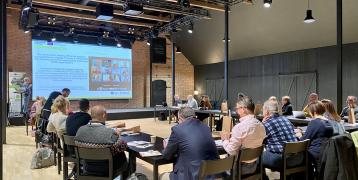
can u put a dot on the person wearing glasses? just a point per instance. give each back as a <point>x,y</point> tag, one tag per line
<point>249,133</point>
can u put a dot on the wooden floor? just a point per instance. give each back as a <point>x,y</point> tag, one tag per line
<point>20,148</point>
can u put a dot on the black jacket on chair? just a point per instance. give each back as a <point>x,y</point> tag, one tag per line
<point>339,159</point>
<point>191,142</point>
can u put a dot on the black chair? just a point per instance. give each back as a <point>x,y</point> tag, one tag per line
<point>98,154</point>
<point>294,148</point>
<point>247,155</point>
<point>58,151</point>
<point>69,154</point>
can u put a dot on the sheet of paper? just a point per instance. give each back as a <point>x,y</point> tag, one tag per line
<point>219,142</point>
<point>150,153</point>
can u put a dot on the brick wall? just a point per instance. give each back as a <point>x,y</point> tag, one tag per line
<point>19,59</point>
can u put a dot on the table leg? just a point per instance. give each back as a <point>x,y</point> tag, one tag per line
<point>155,110</point>
<point>211,122</point>
<point>170,116</point>
<point>132,162</point>
<point>155,172</point>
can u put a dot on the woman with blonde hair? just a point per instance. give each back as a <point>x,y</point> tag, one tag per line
<point>57,119</point>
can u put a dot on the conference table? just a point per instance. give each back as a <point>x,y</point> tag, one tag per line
<point>156,161</point>
<point>304,123</point>
<point>210,112</point>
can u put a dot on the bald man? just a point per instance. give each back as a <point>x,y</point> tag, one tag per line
<point>97,135</point>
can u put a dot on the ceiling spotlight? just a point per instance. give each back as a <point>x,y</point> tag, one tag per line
<point>53,38</point>
<point>248,2</point>
<point>178,50</point>
<point>75,39</point>
<point>309,18</point>
<point>72,30</point>
<point>227,40</point>
<point>26,8</point>
<point>105,34</point>
<point>184,3</point>
<point>99,41</point>
<point>27,4</point>
<point>191,28</point>
<point>133,7</point>
<point>267,3</point>
<point>26,30</point>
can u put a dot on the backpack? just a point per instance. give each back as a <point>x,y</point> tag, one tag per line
<point>43,157</point>
<point>137,176</point>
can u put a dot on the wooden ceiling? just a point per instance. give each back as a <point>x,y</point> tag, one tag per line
<point>157,13</point>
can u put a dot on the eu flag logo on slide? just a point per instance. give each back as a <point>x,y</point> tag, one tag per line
<point>50,43</point>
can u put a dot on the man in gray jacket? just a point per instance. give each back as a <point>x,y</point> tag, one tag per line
<point>97,135</point>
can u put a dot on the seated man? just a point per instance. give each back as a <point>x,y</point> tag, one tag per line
<point>351,103</point>
<point>97,135</point>
<point>78,119</point>
<point>191,142</point>
<point>312,98</point>
<point>192,102</point>
<point>278,131</point>
<point>249,133</point>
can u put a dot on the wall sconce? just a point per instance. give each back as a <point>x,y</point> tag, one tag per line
<point>196,92</point>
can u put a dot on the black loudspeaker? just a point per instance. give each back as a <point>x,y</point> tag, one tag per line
<point>33,20</point>
<point>104,12</point>
<point>159,94</point>
<point>158,50</point>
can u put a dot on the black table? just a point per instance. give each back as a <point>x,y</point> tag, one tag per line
<point>211,112</point>
<point>156,161</point>
<point>299,122</point>
<point>347,127</point>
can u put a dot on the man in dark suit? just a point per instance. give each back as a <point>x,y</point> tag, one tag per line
<point>191,142</point>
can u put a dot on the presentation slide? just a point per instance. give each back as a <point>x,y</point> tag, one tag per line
<point>89,71</point>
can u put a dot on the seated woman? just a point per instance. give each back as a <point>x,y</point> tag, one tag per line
<point>57,119</point>
<point>319,130</point>
<point>332,115</point>
<point>36,110</point>
<point>286,106</point>
<point>206,105</point>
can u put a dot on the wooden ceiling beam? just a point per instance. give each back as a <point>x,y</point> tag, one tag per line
<point>91,18</point>
<point>93,9</point>
<point>83,16</point>
<point>150,8</point>
<point>203,4</point>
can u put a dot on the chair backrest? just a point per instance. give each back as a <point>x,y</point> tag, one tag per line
<point>224,108</point>
<point>248,155</point>
<point>227,124</point>
<point>296,147</point>
<point>212,167</point>
<point>293,148</point>
<point>100,154</point>
<point>69,140</point>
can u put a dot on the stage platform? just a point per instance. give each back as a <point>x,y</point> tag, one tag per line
<point>132,113</point>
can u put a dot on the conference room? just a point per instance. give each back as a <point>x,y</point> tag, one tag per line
<point>179,89</point>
